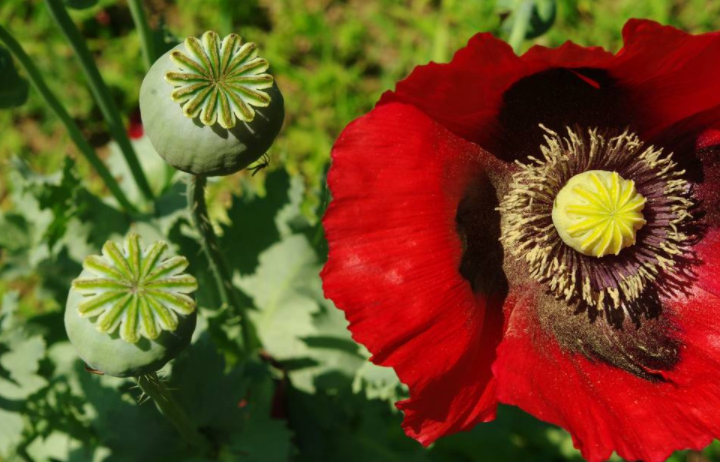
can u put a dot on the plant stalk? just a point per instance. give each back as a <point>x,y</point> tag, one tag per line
<point>100,92</point>
<point>144,31</point>
<point>167,405</point>
<point>218,266</point>
<point>73,130</point>
<point>523,14</point>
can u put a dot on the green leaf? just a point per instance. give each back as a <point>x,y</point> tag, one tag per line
<point>348,427</point>
<point>133,432</point>
<point>13,88</point>
<point>234,406</point>
<point>14,236</point>
<point>20,355</point>
<point>62,223</point>
<point>522,437</point>
<point>280,288</point>
<point>253,228</point>
<point>48,202</point>
<point>296,324</point>
<point>61,200</point>
<point>265,440</point>
<point>378,382</point>
<point>59,446</point>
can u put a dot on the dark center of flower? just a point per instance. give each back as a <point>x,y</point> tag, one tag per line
<point>595,194</point>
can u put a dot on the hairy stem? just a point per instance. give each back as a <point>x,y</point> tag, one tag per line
<point>73,130</point>
<point>522,14</point>
<point>151,385</point>
<point>100,92</point>
<point>218,265</point>
<point>144,31</point>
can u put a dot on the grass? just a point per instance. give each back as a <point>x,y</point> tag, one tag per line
<point>332,59</point>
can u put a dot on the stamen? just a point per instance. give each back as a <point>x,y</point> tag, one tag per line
<point>630,205</point>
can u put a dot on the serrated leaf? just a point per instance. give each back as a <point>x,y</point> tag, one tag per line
<point>133,432</point>
<point>63,223</point>
<point>295,323</point>
<point>208,391</point>
<point>378,382</point>
<point>523,438</point>
<point>20,356</point>
<point>59,446</point>
<point>234,406</point>
<point>21,353</point>
<point>281,291</point>
<point>60,199</point>
<point>253,227</point>
<point>13,88</point>
<point>48,202</point>
<point>266,440</point>
<point>14,236</point>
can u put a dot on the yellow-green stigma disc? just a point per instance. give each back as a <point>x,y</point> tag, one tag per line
<point>598,213</point>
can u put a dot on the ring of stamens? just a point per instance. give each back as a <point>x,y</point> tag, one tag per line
<point>614,281</point>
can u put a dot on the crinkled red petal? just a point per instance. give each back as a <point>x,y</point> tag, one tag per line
<point>397,178</point>
<point>665,76</point>
<point>695,143</point>
<point>606,409</point>
<point>668,75</point>
<point>464,95</point>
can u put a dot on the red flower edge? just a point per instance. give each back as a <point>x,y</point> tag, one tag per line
<point>399,177</point>
<point>380,254</point>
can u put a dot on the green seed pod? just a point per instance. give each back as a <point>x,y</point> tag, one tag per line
<point>130,311</point>
<point>209,107</point>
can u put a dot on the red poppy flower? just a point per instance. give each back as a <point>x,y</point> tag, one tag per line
<point>458,265</point>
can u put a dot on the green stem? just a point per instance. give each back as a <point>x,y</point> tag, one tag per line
<point>73,130</point>
<point>167,405</point>
<point>144,31</point>
<point>218,265</point>
<point>100,92</point>
<point>522,14</point>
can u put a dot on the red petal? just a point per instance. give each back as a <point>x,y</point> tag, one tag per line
<point>569,55</point>
<point>607,409</point>
<point>464,95</point>
<point>397,179</point>
<point>695,144</point>
<point>668,75</point>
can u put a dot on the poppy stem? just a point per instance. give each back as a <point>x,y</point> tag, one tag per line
<point>144,32</point>
<point>101,93</point>
<point>218,266</point>
<point>151,385</point>
<point>523,14</point>
<point>73,130</point>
